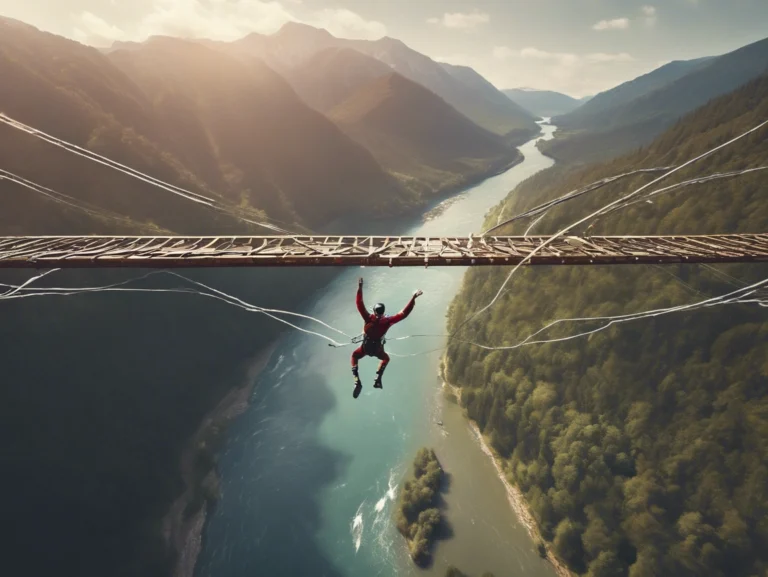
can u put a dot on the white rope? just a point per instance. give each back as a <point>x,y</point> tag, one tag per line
<point>736,297</point>
<point>27,292</point>
<point>543,208</point>
<point>127,170</point>
<point>684,184</point>
<point>16,289</point>
<point>597,213</point>
<point>62,198</point>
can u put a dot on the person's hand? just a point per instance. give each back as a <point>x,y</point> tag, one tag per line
<point>418,293</point>
<point>360,282</point>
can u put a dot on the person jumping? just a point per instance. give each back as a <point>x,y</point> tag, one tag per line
<point>376,326</point>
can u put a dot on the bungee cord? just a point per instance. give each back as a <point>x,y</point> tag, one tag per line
<point>598,212</point>
<point>545,207</point>
<point>736,297</point>
<point>739,296</point>
<point>668,189</point>
<point>680,185</point>
<point>212,203</point>
<point>26,291</point>
<point>62,198</point>
<point>16,289</point>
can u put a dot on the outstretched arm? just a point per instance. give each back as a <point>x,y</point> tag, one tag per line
<point>394,319</point>
<point>359,301</point>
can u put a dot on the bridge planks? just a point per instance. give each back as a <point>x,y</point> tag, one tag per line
<point>276,251</point>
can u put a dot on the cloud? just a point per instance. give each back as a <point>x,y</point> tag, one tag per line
<point>503,52</point>
<point>222,20</point>
<point>602,57</point>
<point>347,24</point>
<point>560,58</point>
<point>617,24</point>
<point>574,74</point>
<point>461,21</point>
<point>97,30</point>
<point>561,68</point>
<point>649,14</point>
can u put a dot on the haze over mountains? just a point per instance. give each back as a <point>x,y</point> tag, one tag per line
<point>633,113</point>
<point>157,107</point>
<point>544,103</point>
<point>462,88</point>
<point>407,128</point>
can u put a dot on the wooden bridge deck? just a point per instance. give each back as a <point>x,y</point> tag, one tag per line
<point>275,251</point>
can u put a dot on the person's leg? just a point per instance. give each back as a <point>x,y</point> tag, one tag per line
<point>356,356</point>
<point>382,365</point>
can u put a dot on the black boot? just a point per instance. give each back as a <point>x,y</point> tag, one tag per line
<point>358,384</point>
<point>377,384</point>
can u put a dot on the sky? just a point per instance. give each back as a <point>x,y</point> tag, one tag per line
<point>579,47</point>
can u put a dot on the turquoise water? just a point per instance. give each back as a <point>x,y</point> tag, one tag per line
<point>310,475</point>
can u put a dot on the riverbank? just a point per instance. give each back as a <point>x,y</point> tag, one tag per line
<point>183,528</point>
<point>308,468</point>
<point>514,496</point>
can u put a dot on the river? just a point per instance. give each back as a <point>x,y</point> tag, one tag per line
<point>309,475</point>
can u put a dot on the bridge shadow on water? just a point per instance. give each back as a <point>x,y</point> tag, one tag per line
<point>273,473</point>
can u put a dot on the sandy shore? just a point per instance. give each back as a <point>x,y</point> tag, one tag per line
<point>514,496</point>
<point>184,534</point>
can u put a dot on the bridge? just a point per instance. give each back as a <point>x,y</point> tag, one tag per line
<point>276,251</point>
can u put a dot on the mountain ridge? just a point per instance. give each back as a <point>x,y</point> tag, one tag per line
<point>689,85</point>
<point>484,105</point>
<point>413,131</point>
<point>544,103</point>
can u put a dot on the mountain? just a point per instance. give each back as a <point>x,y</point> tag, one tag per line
<point>607,102</point>
<point>544,103</point>
<point>294,44</point>
<point>332,75</point>
<point>640,449</point>
<point>76,93</point>
<point>587,136</point>
<point>289,47</point>
<point>291,159</point>
<point>415,133</point>
<point>118,471</point>
<point>245,138</point>
<point>492,95</point>
<point>486,107</point>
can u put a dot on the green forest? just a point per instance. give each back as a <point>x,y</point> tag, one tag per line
<point>417,515</point>
<point>642,449</point>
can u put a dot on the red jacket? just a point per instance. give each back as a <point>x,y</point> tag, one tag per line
<point>376,328</point>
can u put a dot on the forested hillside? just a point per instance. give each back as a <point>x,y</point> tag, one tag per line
<point>424,140</point>
<point>605,103</point>
<point>332,75</point>
<point>641,449</point>
<point>611,124</point>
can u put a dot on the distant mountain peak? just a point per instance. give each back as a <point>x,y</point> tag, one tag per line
<point>389,42</point>
<point>295,29</point>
